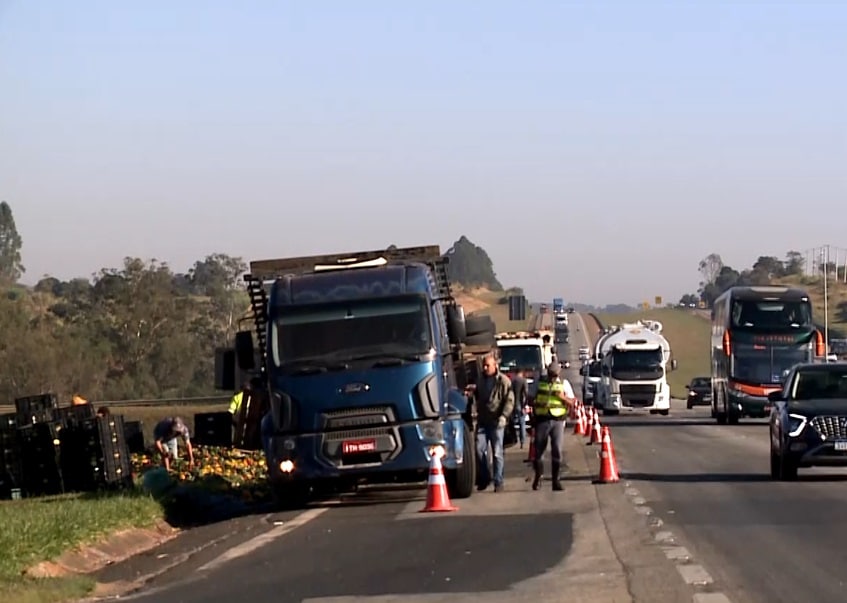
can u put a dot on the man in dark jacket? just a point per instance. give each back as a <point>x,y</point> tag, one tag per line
<point>495,402</point>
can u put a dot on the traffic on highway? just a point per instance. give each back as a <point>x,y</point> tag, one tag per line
<point>537,466</point>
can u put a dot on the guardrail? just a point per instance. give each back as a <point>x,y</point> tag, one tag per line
<point>198,401</point>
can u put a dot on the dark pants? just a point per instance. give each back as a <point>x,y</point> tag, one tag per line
<point>554,431</point>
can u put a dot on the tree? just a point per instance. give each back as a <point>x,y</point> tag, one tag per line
<point>11,243</point>
<point>688,299</point>
<point>769,267</point>
<point>470,266</point>
<point>710,267</point>
<point>795,263</point>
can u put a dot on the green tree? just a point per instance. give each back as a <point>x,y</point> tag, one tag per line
<point>471,266</point>
<point>11,243</point>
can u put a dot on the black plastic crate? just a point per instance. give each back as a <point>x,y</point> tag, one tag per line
<point>95,454</point>
<point>36,404</point>
<point>70,415</point>
<point>8,423</point>
<point>213,429</point>
<point>134,434</point>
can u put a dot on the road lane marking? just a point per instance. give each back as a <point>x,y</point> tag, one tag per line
<point>245,548</point>
<point>644,510</point>
<point>677,553</point>
<point>711,598</point>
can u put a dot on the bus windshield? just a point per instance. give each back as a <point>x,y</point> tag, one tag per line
<point>766,315</point>
<point>762,364</point>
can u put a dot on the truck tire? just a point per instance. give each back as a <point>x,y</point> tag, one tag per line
<point>481,339</point>
<point>460,481</point>
<point>475,325</point>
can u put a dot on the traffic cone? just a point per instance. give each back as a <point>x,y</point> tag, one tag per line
<point>580,426</point>
<point>596,432</point>
<point>589,424</point>
<point>437,499</point>
<point>608,464</point>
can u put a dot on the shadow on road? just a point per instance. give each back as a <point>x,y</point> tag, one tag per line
<point>725,477</point>
<point>670,422</point>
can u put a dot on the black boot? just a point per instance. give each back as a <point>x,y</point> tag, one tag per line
<point>557,485</point>
<point>539,472</point>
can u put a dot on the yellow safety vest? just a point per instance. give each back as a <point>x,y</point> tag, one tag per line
<point>235,403</point>
<point>547,401</point>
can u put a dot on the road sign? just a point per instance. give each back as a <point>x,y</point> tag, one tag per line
<point>645,305</point>
<point>658,300</point>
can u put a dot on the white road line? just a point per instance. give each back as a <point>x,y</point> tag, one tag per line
<point>711,598</point>
<point>638,500</point>
<point>632,492</point>
<point>694,574</point>
<point>644,510</point>
<point>245,548</point>
<point>664,537</point>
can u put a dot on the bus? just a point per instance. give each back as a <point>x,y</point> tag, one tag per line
<point>758,334</point>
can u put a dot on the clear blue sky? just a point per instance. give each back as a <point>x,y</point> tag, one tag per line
<point>596,150</point>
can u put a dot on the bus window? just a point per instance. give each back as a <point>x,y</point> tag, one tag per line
<point>764,315</point>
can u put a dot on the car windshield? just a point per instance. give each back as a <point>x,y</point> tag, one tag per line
<point>701,382</point>
<point>352,329</point>
<point>520,356</point>
<point>764,364</point>
<point>761,315</point>
<point>827,384</point>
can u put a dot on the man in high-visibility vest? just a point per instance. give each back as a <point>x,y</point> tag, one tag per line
<point>554,400</point>
<point>238,400</point>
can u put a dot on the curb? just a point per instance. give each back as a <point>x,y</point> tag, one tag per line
<point>113,548</point>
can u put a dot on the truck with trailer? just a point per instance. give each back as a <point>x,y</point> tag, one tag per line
<point>558,306</point>
<point>634,359</point>
<point>365,360</point>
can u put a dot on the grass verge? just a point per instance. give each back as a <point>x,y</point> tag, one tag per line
<point>836,296</point>
<point>39,529</point>
<point>688,335</point>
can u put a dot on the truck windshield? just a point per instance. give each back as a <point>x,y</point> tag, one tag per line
<point>352,329</point>
<point>826,384</point>
<point>761,315</point>
<point>764,364</point>
<point>521,356</point>
<point>637,364</point>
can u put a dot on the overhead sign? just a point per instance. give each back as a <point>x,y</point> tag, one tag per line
<point>658,300</point>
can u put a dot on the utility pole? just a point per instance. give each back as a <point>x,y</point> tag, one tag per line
<point>825,260</point>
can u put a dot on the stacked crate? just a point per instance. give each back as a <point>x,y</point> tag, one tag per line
<point>10,457</point>
<point>95,455</point>
<point>36,409</point>
<point>41,470</point>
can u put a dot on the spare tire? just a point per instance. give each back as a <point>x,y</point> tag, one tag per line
<point>481,339</point>
<point>475,325</point>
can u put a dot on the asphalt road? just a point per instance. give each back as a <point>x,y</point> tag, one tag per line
<point>721,519</point>
<point>588,543</point>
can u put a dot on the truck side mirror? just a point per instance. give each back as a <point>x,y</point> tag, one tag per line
<point>225,369</point>
<point>244,352</point>
<point>674,364</point>
<point>456,328</point>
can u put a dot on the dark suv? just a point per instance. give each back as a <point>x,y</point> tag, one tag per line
<point>808,425</point>
<point>699,392</point>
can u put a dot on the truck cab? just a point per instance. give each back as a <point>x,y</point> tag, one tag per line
<point>530,352</point>
<point>362,357</point>
<point>634,360</point>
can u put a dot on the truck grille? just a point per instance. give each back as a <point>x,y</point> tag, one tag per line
<point>370,416</point>
<point>374,424</point>
<point>830,427</point>
<point>636,394</point>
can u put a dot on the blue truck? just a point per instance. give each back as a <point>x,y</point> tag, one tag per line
<point>364,357</point>
<point>558,305</point>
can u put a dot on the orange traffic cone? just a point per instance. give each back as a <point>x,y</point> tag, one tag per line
<point>580,426</point>
<point>437,499</point>
<point>596,432</point>
<point>589,421</point>
<point>608,464</point>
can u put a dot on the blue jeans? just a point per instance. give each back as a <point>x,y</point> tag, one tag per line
<point>489,436</point>
<point>521,427</point>
<point>266,431</point>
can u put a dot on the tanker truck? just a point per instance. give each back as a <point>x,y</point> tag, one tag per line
<point>634,360</point>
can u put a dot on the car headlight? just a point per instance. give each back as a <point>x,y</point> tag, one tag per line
<point>796,424</point>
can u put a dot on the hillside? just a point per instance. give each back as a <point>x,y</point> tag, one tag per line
<point>836,300</point>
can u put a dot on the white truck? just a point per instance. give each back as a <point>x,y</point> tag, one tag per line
<point>525,350</point>
<point>634,360</point>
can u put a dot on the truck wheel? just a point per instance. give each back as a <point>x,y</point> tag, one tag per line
<point>609,412</point>
<point>474,325</point>
<point>290,497</point>
<point>664,412</point>
<point>460,481</point>
<point>481,339</point>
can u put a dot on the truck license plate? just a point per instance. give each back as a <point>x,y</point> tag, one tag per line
<point>358,446</point>
<point>841,446</point>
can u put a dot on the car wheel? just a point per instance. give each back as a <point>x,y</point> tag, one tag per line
<point>689,405</point>
<point>787,469</point>
<point>774,465</point>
